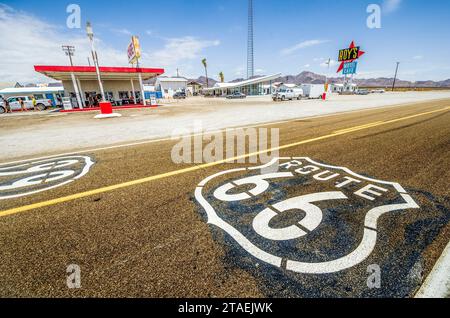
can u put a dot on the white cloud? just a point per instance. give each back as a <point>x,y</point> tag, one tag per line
<point>390,6</point>
<point>181,49</point>
<point>123,32</point>
<point>332,63</point>
<point>307,65</point>
<point>27,41</point>
<point>239,71</point>
<point>302,45</point>
<point>418,57</point>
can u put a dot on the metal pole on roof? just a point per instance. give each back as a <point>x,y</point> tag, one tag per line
<point>90,35</point>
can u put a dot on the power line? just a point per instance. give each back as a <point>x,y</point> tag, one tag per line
<point>70,51</point>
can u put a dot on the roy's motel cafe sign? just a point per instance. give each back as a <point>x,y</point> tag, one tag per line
<point>348,58</point>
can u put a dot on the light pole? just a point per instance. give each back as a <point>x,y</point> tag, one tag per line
<point>90,35</point>
<point>326,79</point>
<point>395,76</point>
<point>70,51</point>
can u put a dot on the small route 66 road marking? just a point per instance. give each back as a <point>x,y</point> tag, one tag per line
<point>38,176</point>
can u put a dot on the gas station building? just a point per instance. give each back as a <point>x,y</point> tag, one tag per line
<point>122,85</point>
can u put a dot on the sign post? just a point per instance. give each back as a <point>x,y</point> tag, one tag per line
<point>348,58</point>
<point>134,54</point>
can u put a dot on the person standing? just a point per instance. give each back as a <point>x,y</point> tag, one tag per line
<point>6,104</point>
<point>22,104</point>
<point>33,100</point>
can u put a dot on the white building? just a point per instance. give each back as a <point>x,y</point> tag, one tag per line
<point>344,88</point>
<point>168,86</point>
<point>252,87</point>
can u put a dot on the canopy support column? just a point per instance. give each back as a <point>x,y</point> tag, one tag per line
<point>83,99</point>
<point>77,92</point>
<point>133,92</point>
<point>141,83</point>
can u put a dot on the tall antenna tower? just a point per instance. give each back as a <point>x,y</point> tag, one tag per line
<point>250,56</point>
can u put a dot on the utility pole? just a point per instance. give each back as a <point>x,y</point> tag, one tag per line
<point>328,70</point>
<point>395,76</point>
<point>70,51</point>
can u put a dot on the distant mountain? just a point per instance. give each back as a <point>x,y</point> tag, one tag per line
<point>202,80</point>
<point>313,78</point>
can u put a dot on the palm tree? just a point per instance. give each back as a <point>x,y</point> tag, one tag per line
<point>205,65</point>
<point>222,77</point>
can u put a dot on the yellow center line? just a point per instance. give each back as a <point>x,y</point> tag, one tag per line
<point>359,127</point>
<point>200,167</point>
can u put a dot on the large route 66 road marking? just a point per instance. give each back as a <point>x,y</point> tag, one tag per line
<point>38,176</point>
<point>306,204</point>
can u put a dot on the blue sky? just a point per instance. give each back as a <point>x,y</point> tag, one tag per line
<point>290,36</point>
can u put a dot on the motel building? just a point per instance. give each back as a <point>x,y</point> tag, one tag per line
<point>253,87</point>
<point>121,85</point>
<point>344,88</point>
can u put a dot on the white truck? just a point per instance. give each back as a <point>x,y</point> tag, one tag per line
<point>14,103</point>
<point>287,94</point>
<point>313,91</point>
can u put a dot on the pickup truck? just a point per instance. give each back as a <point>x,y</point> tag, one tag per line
<point>14,104</point>
<point>287,94</point>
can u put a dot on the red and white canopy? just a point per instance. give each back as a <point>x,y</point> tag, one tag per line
<point>86,73</point>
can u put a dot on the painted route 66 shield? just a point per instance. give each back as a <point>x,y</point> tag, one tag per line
<point>304,216</point>
<point>38,176</point>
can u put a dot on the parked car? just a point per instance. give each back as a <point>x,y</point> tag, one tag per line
<point>288,94</point>
<point>179,95</point>
<point>362,92</point>
<point>378,91</point>
<point>237,95</point>
<point>14,103</point>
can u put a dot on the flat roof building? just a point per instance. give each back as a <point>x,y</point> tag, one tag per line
<point>252,87</point>
<point>121,84</point>
<point>168,86</point>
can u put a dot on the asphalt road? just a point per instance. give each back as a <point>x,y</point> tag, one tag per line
<point>134,225</point>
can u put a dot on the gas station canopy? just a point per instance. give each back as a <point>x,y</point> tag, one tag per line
<point>86,73</point>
